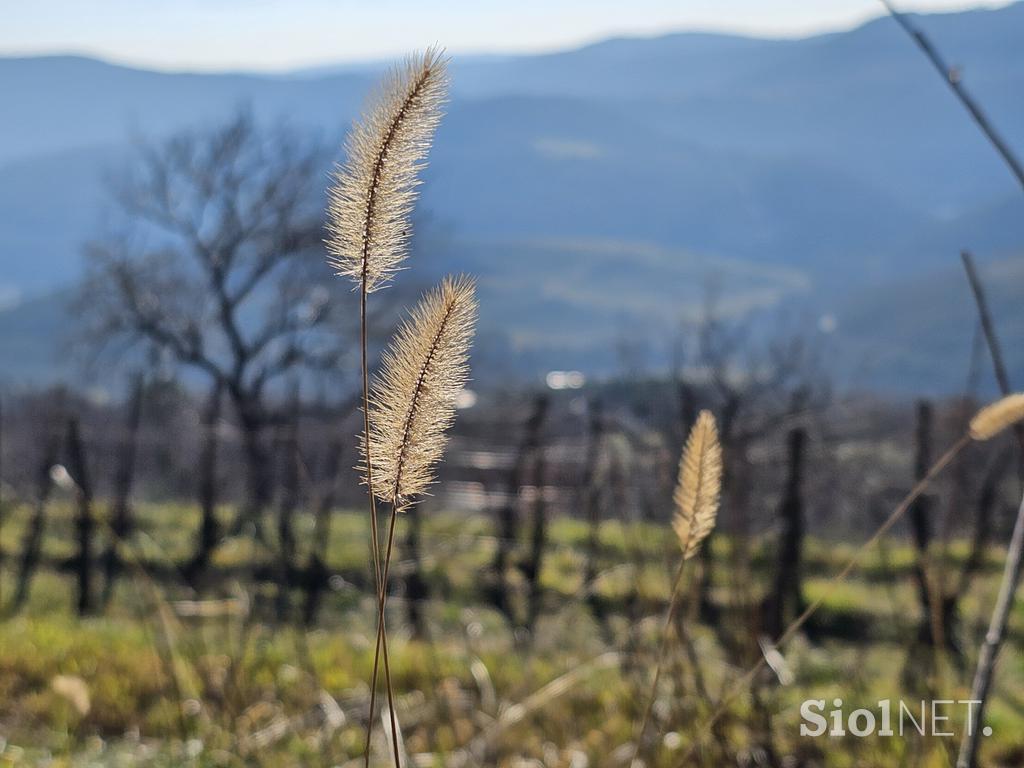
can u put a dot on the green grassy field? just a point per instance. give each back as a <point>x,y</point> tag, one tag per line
<point>147,683</point>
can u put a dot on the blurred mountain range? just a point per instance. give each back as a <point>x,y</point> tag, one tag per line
<point>599,192</point>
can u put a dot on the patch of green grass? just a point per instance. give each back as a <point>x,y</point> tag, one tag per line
<point>230,692</point>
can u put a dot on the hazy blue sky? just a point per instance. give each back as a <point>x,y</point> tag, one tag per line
<point>261,34</point>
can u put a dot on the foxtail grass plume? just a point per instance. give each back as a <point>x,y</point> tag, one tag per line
<point>699,485</point>
<point>413,401</point>
<point>374,192</point>
<point>1000,415</point>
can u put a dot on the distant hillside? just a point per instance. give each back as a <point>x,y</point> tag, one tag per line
<point>32,344</point>
<point>49,206</point>
<point>866,100</point>
<point>598,189</point>
<point>917,335</point>
<point>71,102</point>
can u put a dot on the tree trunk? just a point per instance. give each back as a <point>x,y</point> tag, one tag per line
<point>316,572</point>
<point>257,468</point>
<point>735,483</point>
<point>508,515</point>
<point>257,478</point>
<point>121,515</point>
<point>591,492</point>
<point>289,503</point>
<point>988,497</point>
<point>787,598</point>
<point>209,529</point>
<point>417,591</point>
<point>538,543</point>
<point>920,526</point>
<point>84,523</point>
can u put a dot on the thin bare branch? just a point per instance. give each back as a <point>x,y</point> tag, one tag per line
<point>951,76</point>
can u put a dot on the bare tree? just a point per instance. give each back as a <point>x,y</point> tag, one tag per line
<point>215,271</point>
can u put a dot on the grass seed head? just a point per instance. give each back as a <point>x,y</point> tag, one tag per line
<point>1000,415</point>
<point>373,194</point>
<point>413,401</point>
<point>699,486</point>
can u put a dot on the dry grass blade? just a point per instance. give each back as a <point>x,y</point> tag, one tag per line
<point>696,500</point>
<point>700,483</point>
<point>1000,415</point>
<point>542,697</point>
<point>414,400</point>
<point>374,192</point>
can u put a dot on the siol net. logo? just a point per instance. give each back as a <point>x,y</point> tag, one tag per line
<point>936,717</point>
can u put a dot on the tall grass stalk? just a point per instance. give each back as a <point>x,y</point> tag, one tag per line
<point>368,235</point>
<point>696,500</point>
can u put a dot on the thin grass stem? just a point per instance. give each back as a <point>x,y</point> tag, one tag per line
<point>673,604</point>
